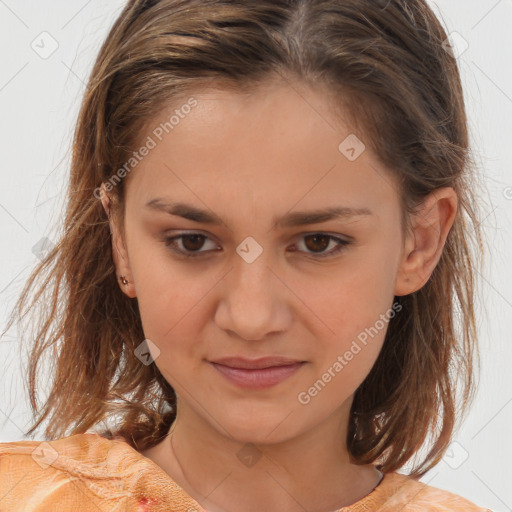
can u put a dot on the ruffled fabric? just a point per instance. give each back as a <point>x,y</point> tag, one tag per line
<point>87,472</point>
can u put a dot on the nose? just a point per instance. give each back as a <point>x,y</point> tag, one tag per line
<point>254,302</point>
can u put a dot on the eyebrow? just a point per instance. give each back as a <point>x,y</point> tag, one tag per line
<point>291,219</point>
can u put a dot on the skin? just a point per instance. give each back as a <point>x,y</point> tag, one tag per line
<point>248,158</point>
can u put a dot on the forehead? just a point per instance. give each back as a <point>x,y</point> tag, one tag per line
<point>275,147</point>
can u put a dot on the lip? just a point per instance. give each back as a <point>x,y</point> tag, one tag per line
<point>268,371</point>
<point>255,364</point>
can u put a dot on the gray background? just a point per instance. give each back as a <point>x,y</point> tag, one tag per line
<point>39,98</point>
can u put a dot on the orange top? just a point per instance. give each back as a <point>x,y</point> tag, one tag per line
<point>89,473</point>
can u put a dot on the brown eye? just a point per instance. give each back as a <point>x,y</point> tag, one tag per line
<point>192,242</point>
<point>190,245</point>
<point>317,242</point>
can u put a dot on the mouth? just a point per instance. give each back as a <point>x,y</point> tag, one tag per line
<point>256,364</point>
<point>257,374</point>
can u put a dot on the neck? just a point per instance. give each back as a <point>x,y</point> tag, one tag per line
<point>309,471</point>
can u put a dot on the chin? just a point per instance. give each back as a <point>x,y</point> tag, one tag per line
<point>259,427</point>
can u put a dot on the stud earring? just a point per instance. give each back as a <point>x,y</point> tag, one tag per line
<point>123,280</point>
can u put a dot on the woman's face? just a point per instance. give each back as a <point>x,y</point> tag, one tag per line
<point>259,283</point>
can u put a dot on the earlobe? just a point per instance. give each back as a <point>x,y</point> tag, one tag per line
<point>127,287</point>
<point>119,252</point>
<point>424,246</point>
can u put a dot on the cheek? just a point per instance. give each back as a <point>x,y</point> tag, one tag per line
<point>171,305</point>
<point>168,292</point>
<point>349,314</point>
<point>358,322</point>
<point>350,297</point>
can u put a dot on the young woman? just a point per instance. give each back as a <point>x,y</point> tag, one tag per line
<point>266,278</point>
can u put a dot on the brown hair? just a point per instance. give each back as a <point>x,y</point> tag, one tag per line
<point>386,63</point>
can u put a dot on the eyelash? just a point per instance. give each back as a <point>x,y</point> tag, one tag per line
<point>170,242</point>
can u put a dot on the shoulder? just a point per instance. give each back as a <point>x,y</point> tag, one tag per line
<point>410,495</point>
<point>85,472</point>
<point>42,474</point>
<point>78,454</point>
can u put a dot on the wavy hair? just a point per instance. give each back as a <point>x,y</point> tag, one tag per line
<point>388,64</point>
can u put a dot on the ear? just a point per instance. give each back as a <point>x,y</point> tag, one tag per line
<point>119,252</point>
<point>424,246</point>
